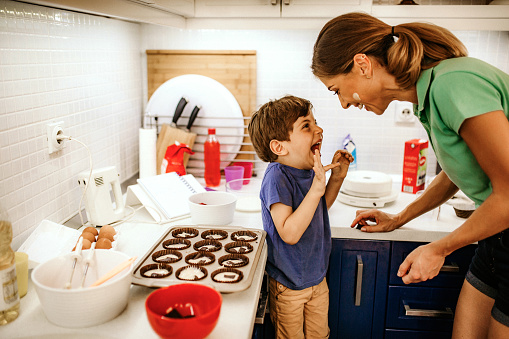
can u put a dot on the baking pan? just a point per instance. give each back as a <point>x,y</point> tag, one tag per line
<point>223,257</point>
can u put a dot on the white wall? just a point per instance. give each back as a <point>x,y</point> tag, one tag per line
<point>283,61</point>
<point>62,66</point>
<point>89,72</point>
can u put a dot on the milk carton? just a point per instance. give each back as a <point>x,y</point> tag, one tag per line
<point>414,165</point>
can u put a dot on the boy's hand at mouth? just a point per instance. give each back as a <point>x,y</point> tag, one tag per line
<point>320,180</point>
<point>342,159</point>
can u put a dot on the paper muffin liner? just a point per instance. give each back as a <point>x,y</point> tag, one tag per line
<point>144,271</point>
<point>181,270</point>
<point>200,255</point>
<point>159,256</point>
<point>214,234</point>
<point>225,260</point>
<point>227,271</point>
<point>176,244</point>
<point>244,236</point>
<point>208,245</point>
<point>238,247</point>
<point>185,232</point>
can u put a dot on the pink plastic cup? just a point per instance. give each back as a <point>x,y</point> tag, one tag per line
<point>248,170</point>
<point>233,173</point>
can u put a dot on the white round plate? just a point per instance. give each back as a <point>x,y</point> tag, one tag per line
<point>219,110</point>
<point>367,202</point>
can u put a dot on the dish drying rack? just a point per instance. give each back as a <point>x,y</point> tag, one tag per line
<point>196,164</point>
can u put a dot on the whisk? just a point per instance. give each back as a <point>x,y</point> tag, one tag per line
<point>86,261</point>
<point>75,256</point>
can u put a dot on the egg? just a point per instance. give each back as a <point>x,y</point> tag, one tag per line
<point>86,244</point>
<point>103,243</point>
<point>108,229</point>
<point>108,236</point>
<point>89,236</point>
<point>92,230</point>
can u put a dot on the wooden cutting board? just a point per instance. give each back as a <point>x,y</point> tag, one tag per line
<point>236,70</point>
<point>167,137</point>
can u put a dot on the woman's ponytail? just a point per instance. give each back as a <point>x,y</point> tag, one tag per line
<point>405,50</point>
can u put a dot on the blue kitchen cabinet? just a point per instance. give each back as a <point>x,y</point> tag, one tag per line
<point>425,309</point>
<point>358,281</point>
<point>368,300</point>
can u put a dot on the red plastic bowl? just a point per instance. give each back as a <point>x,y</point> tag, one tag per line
<point>206,303</point>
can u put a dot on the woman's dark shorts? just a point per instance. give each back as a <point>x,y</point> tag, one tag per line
<point>489,273</point>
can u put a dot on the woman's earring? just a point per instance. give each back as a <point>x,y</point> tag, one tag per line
<point>368,77</point>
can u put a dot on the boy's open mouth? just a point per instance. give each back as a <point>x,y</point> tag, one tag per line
<point>316,147</point>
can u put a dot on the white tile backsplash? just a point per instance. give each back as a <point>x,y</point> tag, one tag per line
<point>90,72</point>
<point>82,70</point>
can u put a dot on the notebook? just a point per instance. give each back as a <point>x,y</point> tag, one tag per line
<point>169,192</point>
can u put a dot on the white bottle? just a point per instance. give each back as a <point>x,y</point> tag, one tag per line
<point>9,297</point>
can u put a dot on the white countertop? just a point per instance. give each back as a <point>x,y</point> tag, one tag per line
<point>426,228</point>
<point>237,316</point>
<point>238,310</point>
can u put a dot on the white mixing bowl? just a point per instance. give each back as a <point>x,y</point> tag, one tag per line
<point>82,307</point>
<point>212,207</point>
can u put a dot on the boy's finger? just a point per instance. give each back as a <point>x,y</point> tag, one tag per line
<point>328,167</point>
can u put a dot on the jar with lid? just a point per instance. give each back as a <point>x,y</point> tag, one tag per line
<point>9,297</point>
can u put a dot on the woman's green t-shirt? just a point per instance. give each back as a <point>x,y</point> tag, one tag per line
<point>448,94</point>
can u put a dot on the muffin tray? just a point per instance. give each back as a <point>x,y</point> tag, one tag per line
<point>222,257</point>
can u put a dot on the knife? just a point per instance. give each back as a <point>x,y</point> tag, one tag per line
<point>178,111</point>
<point>192,117</point>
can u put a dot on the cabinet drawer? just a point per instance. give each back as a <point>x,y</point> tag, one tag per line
<point>452,274</point>
<point>405,334</point>
<point>421,308</point>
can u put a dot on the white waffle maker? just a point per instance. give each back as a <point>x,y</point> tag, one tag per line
<point>367,189</point>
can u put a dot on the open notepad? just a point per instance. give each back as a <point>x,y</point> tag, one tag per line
<point>169,192</point>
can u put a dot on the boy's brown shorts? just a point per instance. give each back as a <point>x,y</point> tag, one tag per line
<point>299,314</point>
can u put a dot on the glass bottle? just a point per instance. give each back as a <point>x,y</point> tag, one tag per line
<point>9,297</point>
<point>212,160</point>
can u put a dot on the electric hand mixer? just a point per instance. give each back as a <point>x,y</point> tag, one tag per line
<point>101,209</point>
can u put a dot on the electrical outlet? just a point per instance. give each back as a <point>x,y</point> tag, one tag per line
<point>52,131</point>
<point>404,112</point>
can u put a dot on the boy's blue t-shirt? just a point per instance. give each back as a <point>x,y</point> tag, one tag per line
<point>304,264</point>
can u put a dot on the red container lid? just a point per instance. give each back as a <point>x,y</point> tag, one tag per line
<point>212,131</point>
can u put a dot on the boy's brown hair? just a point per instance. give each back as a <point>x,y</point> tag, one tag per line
<point>274,121</point>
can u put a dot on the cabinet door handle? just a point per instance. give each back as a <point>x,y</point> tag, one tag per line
<point>273,2</point>
<point>453,267</point>
<point>286,2</point>
<point>358,282</point>
<point>416,312</point>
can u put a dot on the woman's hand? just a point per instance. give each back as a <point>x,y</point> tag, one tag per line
<point>422,264</point>
<point>384,222</point>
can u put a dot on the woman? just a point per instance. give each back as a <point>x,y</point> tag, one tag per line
<point>463,103</point>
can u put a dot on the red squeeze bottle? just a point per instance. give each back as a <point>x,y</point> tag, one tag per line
<point>212,160</point>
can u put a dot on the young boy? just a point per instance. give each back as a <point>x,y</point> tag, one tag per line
<point>295,199</point>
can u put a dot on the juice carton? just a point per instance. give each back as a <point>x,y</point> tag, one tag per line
<point>414,165</point>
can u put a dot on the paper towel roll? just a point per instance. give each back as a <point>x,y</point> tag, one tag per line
<point>148,140</point>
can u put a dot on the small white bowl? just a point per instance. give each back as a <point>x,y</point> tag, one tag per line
<point>82,307</point>
<point>212,208</point>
